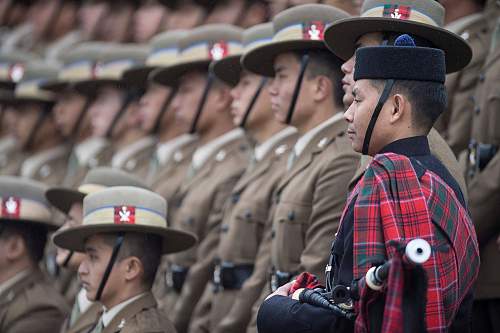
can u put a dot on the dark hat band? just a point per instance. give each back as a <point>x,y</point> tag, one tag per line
<point>400,63</point>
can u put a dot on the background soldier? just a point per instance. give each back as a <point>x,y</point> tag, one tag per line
<point>203,102</point>
<point>27,300</point>
<point>124,233</point>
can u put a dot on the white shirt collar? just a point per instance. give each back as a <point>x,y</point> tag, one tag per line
<point>304,140</point>
<point>166,150</point>
<point>261,150</point>
<point>13,280</point>
<point>203,153</point>
<point>83,302</point>
<point>89,148</point>
<point>108,315</point>
<point>123,155</point>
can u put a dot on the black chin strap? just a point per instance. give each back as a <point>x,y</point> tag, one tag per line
<point>303,66</point>
<point>253,101</point>
<point>68,258</point>
<point>129,97</point>
<point>111,263</point>
<point>47,108</point>
<point>78,125</point>
<point>204,96</point>
<point>383,98</point>
<point>163,110</point>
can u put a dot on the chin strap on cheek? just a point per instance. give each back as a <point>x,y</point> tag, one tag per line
<point>371,125</point>
<point>203,100</point>
<point>68,259</point>
<point>163,110</point>
<point>303,66</point>
<point>253,101</point>
<point>109,267</point>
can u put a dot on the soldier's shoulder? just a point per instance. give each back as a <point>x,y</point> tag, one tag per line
<point>148,320</point>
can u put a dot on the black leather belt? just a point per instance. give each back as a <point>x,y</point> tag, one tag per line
<point>279,278</point>
<point>230,276</point>
<point>176,276</point>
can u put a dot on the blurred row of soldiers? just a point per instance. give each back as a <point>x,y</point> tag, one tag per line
<point>250,157</point>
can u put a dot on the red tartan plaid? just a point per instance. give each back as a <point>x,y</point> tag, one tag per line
<point>305,280</point>
<point>393,207</point>
<point>397,12</point>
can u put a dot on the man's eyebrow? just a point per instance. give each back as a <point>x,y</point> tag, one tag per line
<point>89,248</point>
<point>279,68</point>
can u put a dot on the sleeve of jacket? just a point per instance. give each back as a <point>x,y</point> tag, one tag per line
<point>484,196</point>
<point>329,199</point>
<point>284,314</point>
<point>201,272</point>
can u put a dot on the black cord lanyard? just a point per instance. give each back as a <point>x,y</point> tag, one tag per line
<point>163,110</point>
<point>204,96</point>
<point>253,101</point>
<point>111,263</point>
<point>303,66</point>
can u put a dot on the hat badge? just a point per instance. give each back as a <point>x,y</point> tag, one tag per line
<point>314,30</point>
<point>16,72</point>
<point>125,215</point>
<point>11,207</point>
<point>218,50</point>
<point>397,12</point>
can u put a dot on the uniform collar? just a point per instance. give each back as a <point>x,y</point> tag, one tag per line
<point>304,140</point>
<point>413,146</point>
<point>108,315</point>
<point>83,302</point>
<point>89,148</point>
<point>123,155</point>
<point>203,153</point>
<point>13,280</point>
<point>262,149</point>
<point>31,164</point>
<point>166,150</point>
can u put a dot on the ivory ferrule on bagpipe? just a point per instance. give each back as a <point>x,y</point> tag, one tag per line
<point>340,299</point>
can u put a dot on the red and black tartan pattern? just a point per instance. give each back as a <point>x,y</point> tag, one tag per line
<point>394,206</point>
<point>397,11</point>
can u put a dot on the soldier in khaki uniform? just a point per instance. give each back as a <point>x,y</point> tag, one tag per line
<point>379,21</point>
<point>70,202</point>
<point>483,175</point>
<point>203,102</point>
<point>121,144</point>
<point>311,195</point>
<point>28,303</point>
<point>175,146</point>
<point>35,127</point>
<point>245,225</point>
<point>124,233</point>
<point>11,71</point>
<point>472,25</point>
<point>70,110</point>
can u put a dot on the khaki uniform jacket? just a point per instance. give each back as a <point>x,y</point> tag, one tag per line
<point>48,166</point>
<point>484,187</point>
<point>246,221</point>
<point>88,154</point>
<point>455,123</point>
<point>32,305</point>
<point>11,157</point>
<point>136,157</point>
<point>85,321</point>
<point>140,316</point>
<point>203,197</point>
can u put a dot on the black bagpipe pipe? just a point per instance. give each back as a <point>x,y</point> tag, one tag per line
<point>416,252</point>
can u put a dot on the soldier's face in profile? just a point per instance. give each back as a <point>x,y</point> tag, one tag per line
<point>25,121</point>
<point>74,218</point>
<point>67,111</point>
<point>371,39</point>
<point>358,116</point>
<point>188,97</point>
<point>243,94</point>
<point>150,105</point>
<point>281,88</point>
<point>104,109</point>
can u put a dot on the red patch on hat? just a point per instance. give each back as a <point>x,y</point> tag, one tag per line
<point>124,215</point>
<point>218,50</point>
<point>96,69</point>
<point>16,72</point>
<point>314,30</point>
<point>397,12</point>
<point>11,207</point>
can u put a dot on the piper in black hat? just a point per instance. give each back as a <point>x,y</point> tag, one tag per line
<point>405,194</point>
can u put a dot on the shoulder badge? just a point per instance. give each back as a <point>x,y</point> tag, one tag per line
<point>221,156</point>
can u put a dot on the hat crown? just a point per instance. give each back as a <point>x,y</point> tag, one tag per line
<point>12,65</point>
<point>306,22</point>
<point>104,177</point>
<point>257,35</point>
<point>422,11</point>
<point>120,58</point>
<point>165,48</point>
<point>125,205</point>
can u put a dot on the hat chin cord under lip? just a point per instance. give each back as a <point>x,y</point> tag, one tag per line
<point>163,110</point>
<point>303,66</point>
<point>208,85</point>
<point>254,99</point>
<point>112,260</point>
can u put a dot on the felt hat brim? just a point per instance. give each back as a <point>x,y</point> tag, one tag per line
<point>341,38</point>
<point>172,240</point>
<point>138,76</point>
<point>48,225</point>
<point>228,69</point>
<point>90,87</point>
<point>169,76</point>
<point>55,86</point>
<point>13,100</point>
<point>7,85</point>
<point>63,198</point>
<point>261,59</point>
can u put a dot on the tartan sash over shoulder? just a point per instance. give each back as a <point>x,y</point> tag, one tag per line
<point>394,206</point>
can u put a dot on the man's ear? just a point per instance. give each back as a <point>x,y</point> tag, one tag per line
<point>399,108</point>
<point>322,88</point>
<point>133,268</point>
